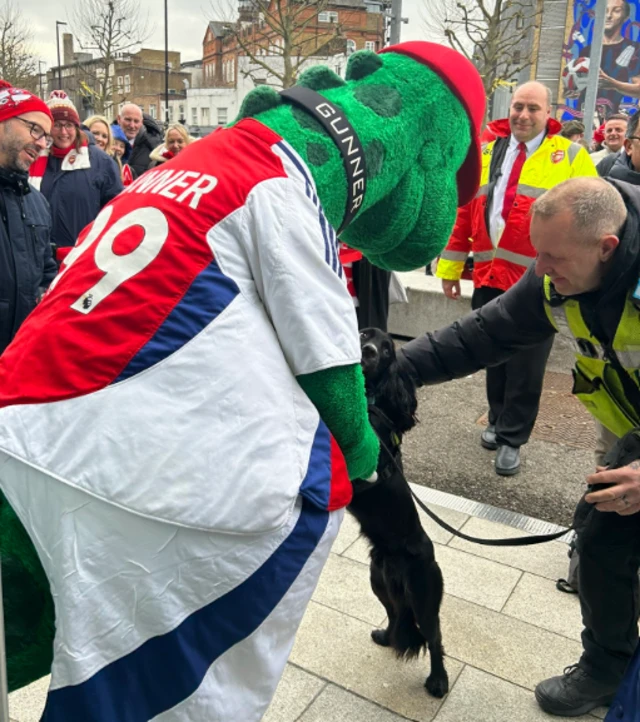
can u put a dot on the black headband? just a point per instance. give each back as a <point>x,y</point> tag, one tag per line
<point>333,120</point>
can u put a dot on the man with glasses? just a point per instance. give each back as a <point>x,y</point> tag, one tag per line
<point>26,262</point>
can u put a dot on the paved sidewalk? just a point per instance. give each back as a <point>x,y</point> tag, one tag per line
<point>505,627</point>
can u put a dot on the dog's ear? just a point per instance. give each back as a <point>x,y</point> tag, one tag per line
<point>396,396</point>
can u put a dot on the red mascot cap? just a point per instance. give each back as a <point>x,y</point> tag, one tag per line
<point>15,101</point>
<point>465,83</point>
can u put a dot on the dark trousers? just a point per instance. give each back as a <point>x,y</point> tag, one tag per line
<point>514,387</point>
<point>372,289</point>
<point>609,548</point>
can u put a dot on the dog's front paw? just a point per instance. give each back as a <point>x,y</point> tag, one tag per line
<point>381,637</point>
<point>437,685</point>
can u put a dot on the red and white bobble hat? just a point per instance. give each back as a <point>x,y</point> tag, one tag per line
<point>16,101</point>
<point>62,109</point>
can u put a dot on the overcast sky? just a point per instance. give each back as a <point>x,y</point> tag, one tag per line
<point>187,24</point>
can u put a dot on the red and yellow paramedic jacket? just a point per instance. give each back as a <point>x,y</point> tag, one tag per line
<point>556,160</point>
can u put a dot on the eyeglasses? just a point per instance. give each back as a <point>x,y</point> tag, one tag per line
<point>64,126</point>
<point>633,137</point>
<point>37,133</point>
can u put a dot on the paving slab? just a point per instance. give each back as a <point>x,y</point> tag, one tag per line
<point>27,704</point>
<point>481,697</point>
<point>537,601</point>
<point>348,534</point>
<point>474,579</point>
<point>339,649</point>
<point>548,560</point>
<point>337,705</point>
<point>296,692</point>
<point>344,586</point>
<point>505,647</point>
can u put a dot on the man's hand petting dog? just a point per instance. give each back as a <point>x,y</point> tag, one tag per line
<point>623,494</point>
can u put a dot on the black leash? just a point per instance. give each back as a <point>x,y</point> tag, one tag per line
<point>514,542</point>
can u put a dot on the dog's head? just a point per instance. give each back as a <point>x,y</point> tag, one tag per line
<point>378,353</point>
<point>391,390</point>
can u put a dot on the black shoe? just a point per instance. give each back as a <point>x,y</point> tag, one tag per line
<point>574,693</point>
<point>507,460</point>
<point>488,438</point>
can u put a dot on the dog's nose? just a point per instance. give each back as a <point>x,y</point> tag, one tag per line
<point>369,351</point>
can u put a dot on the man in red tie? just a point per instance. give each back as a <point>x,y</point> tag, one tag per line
<point>526,158</point>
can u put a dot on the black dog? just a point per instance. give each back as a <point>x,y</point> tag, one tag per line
<point>404,573</point>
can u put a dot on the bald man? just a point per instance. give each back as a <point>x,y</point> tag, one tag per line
<point>583,285</point>
<point>526,158</point>
<point>143,133</point>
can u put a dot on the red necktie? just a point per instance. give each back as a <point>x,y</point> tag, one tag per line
<point>512,185</point>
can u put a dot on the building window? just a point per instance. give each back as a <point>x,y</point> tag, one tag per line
<point>152,111</point>
<point>222,116</point>
<point>171,114</point>
<point>194,116</point>
<point>119,83</point>
<point>181,111</point>
<point>516,57</point>
<point>519,22</point>
<point>328,17</point>
<point>127,84</point>
<point>370,45</point>
<point>351,46</point>
<point>204,114</point>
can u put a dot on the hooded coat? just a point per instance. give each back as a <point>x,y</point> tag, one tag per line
<point>150,136</point>
<point>26,262</point>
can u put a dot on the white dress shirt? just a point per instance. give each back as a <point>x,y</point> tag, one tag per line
<point>496,221</point>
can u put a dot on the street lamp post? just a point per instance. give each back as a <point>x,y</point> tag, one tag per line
<point>40,74</point>
<point>166,63</point>
<point>58,24</point>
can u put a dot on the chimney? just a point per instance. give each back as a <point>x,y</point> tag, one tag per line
<point>67,46</point>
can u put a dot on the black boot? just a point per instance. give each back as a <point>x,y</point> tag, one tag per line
<point>574,693</point>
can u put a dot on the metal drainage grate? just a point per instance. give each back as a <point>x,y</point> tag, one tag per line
<point>562,419</point>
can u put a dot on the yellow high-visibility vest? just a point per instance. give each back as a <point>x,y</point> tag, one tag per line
<point>596,382</point>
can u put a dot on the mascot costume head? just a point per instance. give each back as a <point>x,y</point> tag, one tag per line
<point>392,151</point>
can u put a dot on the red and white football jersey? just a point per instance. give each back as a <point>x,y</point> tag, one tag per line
<point>158,372</point>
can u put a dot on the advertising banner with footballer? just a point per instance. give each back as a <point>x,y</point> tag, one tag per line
<point>619,85</point>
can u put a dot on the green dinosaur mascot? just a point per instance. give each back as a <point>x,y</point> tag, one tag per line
<point>181,416</point>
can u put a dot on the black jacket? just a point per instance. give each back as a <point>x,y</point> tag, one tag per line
<point>149,137</point>
<point>517,320</point>
<point>77,196</point>
<point>624,171</point>
<point>606,164</point>
<point>26,263</point>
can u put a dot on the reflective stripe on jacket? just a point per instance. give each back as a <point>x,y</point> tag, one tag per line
<point>556,160</point>
<point>596,382</point>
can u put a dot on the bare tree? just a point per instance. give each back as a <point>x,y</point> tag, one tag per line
<point>279,35</point>
<point>18,64</point>
<point>107,28</point>
<point>490,33</point>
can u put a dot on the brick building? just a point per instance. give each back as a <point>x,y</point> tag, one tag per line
<point>343,26</point>
<point>136,78</point>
